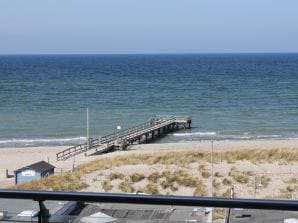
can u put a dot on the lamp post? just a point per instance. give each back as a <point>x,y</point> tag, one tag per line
<point>212,168</point>
<point>211,178</point>
<point>87,137</point>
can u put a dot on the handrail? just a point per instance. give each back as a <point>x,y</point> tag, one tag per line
<point>76,149</point>
<point>265,204</point>
<point>127,132</point>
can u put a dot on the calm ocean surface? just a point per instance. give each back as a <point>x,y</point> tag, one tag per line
<point>43,99</point>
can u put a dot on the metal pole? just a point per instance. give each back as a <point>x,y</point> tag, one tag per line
<point>211,168</point>
<point>255,187</point>
<point>87,128</point>
<point>211,177</point>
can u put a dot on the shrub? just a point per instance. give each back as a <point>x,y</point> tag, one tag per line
<point>106,186</point>
<point>115,176</point>
<point>240,177</point>
<point>151,188</point>
<point>206,174</point>
<point>293,180</point>
<point>219,213</point>
<point>265,180</point>
<point>227,193</point>
<point>216,184</point>
<point>218,174</point>
<point>226,181</point>
<point>136,177</point>
<point>201,167</point>
<point>200,189</point>
<point>126,187</point>
<point>153,177</point>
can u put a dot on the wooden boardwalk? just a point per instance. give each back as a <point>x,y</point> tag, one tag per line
<point>156,127</point>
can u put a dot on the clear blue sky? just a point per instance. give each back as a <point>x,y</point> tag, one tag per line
<point>148,26</point>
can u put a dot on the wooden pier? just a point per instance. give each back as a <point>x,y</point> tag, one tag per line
<point>156,127</point>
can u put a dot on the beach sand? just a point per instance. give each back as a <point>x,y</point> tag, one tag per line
<point>14,158</point>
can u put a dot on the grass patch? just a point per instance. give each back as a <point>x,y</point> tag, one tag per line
<point>180,177</point>
<point>150,188</point>
<point>219,213</point>
<point>202,167</point>
<point>216,184</point>
<point>106,186</point>
<point>293,180</point>
<point>240,177</point>
<point>227,193</point>
<point>218,174</point>
<point>226,182</point>
<point>126,187</point>
<point>65,182</point>
<point>265,181</point>
<point>206,174</point>
<point>116,176</point>
<point>200,189</point>
<point>74,181</point>
<point>136,177</point>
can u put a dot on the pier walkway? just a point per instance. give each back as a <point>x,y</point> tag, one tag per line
<point>156,127</point>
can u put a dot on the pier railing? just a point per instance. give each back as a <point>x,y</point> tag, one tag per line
<point>75,150</point>
<point>107,142</point>
<point>155,123</point>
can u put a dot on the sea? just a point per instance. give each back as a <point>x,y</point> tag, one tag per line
<point>44,98</point>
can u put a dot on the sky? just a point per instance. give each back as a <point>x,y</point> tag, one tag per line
<point>142,26</point>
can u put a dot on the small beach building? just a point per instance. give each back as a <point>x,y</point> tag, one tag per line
<point>34,171</point>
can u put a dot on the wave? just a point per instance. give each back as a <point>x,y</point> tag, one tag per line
<point>222,135</point>
<point>195,134</point>
<point>42,141</point>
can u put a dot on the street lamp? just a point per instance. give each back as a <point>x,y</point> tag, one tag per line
<point>87,129</point>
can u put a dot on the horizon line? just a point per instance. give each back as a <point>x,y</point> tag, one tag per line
<point>157,53</point>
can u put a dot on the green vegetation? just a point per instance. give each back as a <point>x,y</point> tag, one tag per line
<point>218,174</point>
<point>219,213</point>
<point>150,188</point>
<point>240,177</point>
<point>126,187</point>
<point>265,181</point>
<point>136,177</point>
<point>226,182</point>
<point>200,189</point>
<point>171,180</point>
<point>106,186</point>
<point>116,175</point>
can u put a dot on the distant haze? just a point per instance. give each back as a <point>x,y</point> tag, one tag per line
<point>134,26</point>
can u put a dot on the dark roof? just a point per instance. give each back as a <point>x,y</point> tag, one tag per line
<point>40,166</point>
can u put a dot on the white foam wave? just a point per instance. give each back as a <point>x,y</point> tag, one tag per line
<point>195,134</point>
<point>33,141</point>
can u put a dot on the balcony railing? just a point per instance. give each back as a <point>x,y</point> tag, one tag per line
<point>140,199</point>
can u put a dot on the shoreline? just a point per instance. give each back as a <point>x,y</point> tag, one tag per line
<point>15,158</point>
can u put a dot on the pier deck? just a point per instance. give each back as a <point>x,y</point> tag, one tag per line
<point>156,127</point>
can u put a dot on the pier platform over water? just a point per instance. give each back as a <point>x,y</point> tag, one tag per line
<point>120,140</point>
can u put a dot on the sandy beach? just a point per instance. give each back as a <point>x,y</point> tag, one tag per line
<point>14,158</point>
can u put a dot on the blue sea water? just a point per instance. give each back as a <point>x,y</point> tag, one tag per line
<point>43,98</point>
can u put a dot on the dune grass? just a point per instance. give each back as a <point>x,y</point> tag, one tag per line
<point>265,181</point>
<point>116,176</point>
<point>126,187</point>
<point>106,185</point>
<point>239,176</point>
<point>136,177</point>
<point>65,182</point>
<point>200,189</point>
<point>74,181</point>
<point>150,188</point>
